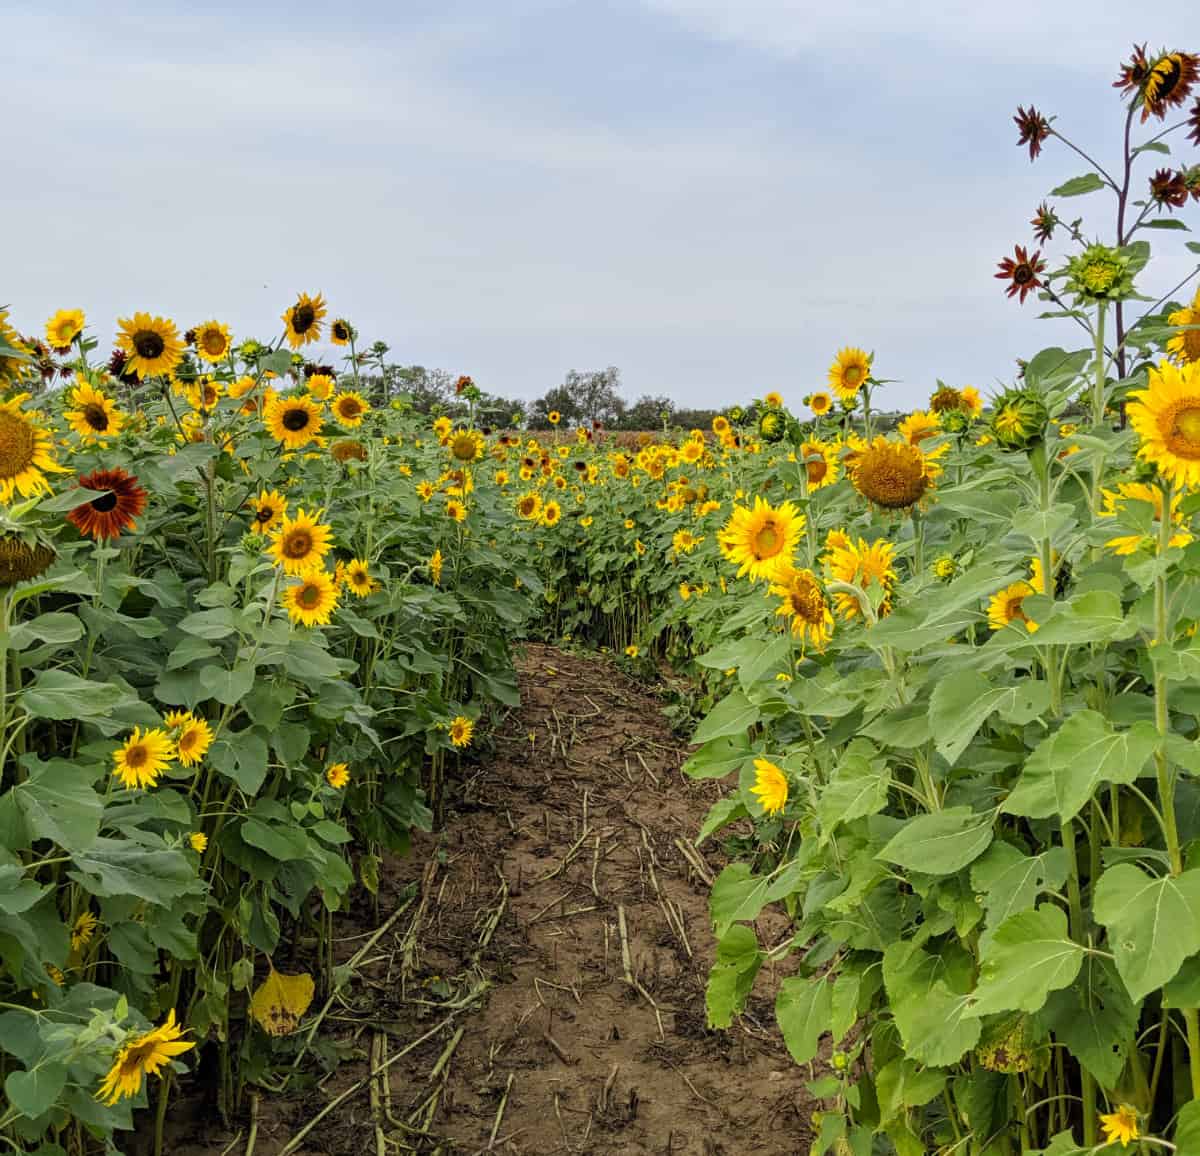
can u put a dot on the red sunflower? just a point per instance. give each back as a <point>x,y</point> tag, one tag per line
<point>1022,272</point>
<point>114,511</point>
<point>1034,127</point>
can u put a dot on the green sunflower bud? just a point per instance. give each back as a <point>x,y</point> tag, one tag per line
<point>1019,419</point>
<point>1100,273</point>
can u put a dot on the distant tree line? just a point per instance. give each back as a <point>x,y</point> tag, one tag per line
<point>583,398</point>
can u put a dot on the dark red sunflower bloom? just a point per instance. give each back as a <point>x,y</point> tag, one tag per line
<point>1134,71</point>
<point>116,366</point>
<point>462,383</point>
<point>1021,273</point>
<point>1169,83</point>
<point>1034,127</point>
<point>114,510</point>
<point>1168,189</point>
<point>1044,222</point>
<point>1194,123</point>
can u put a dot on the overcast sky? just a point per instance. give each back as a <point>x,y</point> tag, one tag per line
<point>713,195</point>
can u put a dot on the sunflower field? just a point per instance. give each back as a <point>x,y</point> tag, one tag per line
<point>256,611</point>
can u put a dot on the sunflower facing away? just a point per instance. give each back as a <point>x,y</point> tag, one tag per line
<point>869,566</point>
<point>849,372</point>
<point>920,425</point>
<point>152,345</point>
<point>64,327</point>
<point>893,475</point>
<point>293,419</point>
<point>770,786</point>
<point>1120,1125</point>
<point>269,508</point>
<point>302,321</point>
<point>1184,347</point>
<point>143,758</point>
<point>140,1056</point>
<point>299,544</point>
<point>1166,417</point>
<point>349,409</point>
<point>212,340</point>
<point>193,736</point>
<point>761,540</point>
<point>112,513</point>
<point>25,452</point>
<point>312,600</point>
<point>93,414</point>
<point>805,604</point>
<point>436,562</point>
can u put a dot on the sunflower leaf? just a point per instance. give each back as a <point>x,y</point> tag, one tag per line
<point>280,1001</point>
<point>1077,186</point>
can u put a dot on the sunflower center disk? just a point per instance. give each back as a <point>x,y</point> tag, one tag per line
<point>1185,432</point>
<point>136,757</point>
<point>95,416</point>
<point>104,502</point>
<point>295,420</point>
<point>148,344</point>
<point>766,542</point>
<point>309,597</point>
<point>302,318</point>
<point>17,445</point>
<point>298,546</point>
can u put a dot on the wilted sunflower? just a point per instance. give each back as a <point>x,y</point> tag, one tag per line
<point>112,513</point>
<point>143,757</point>
<point>820,403</point>
<point>193,736</point>
<point>25,452</point>
<point>1035,129</point>
<point>1166,417</point>
<point>341,332</point>
<point>140,1056</point>
<point>64,327</point>
<point>349,409</point>
<point>820,463</point>
<point>311,600</point>
<point>21,560</point>
<point>1185,346</point>
<point>302,321</point>
<point>1114,505</point>
<point>293,419</point>
<point>770,786</point>
<point>761,540</point>
<point>462,729</point>
<point>212,340</point>
<point>862,564</point>
<point>805,605</point>
<point>529,506</point>
<point>466,445</point>
<point>894,475</point>
<point>151,344</point>
<point>348,450</point>
<point>358,578</point>
<point>849,372</point>
<point>94,415</point>
<point>300,544</point>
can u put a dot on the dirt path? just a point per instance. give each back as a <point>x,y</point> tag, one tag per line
<point>554,956</point>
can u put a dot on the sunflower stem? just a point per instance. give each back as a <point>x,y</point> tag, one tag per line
<point>1098,394</point>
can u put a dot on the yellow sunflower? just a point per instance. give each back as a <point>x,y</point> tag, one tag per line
<point>198,841</point>
<point>425,491</point>
<point>773,400</point>
<point>152,345</point>
<point>554,417</point>
<point>436,562</point>
<point>529,506</point>
<point>972,403</point>
<point>341,332</point>
<point>820,403</point>
<point>442,427</point>
<point>920,425</point>
<point>1166,417</point>
<point>1120,1126</point>
<point>1006,606</point>
<point>1115,502</point>
<point>466,445</point>
<point>312,600</point>
<point>551,513</point>
<point>462,730</point>
<point>456,510</point>
<point>820,464</point>
<point>761,540</point>
<point>141,1056</point>
<point>1185,347</point>
<point>770,786</point>
<point>143,757</point>
<point>893,475</point>
<point>358,577</point>
<point>204,394</point>
<point>269,508</point>
<point>93,416</point>
<point>302,321</point>
<point>25,452</point>
<point>193,736</point>
<point>83,930</point>
<point>867,565</point>
<point>805,604</point>
<point>320,385</point>
<point>300,544</point>
<point>337,775</point>
<point>64,327</point>
<point>849,372</point>
<point>212,341</point>
<point>293,419</point>
<point>349,408</point>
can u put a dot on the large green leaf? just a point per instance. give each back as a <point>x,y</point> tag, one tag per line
<point>1030,955</point>
<point>732,976</point>
<point>1065,768</point>
<point>59,803</point>
<point>733,715</point>
<point>959,706</point>
<point>1095,1018</point>
<point>718,758</point>
<point>802,1009</point>
<point>1153,923</point>
<point>1077,186</point>
<point>858,787</point>
<point>1010,881</point>
<point>119,867</point>
<point>942,842</point>
<point>902,1084</point>
<point>931,1011</point>
<point>58,694</point>
<point>34,1091</point>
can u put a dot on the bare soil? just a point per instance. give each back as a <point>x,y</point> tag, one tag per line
<point>542,989</point>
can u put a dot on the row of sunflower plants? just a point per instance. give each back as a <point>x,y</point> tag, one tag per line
<point>249,615</point>
<point>952,672</point>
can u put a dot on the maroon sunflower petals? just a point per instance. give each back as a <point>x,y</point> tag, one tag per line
<point>1021,272</point>
<point>1034,129</point>
<point>114,510</point>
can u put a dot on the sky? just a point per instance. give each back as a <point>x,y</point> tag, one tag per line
<point>712,195</point>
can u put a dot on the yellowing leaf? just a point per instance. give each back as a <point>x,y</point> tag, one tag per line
<point>280,1001</point>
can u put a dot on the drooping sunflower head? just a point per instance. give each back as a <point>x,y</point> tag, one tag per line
<point>151,345</point>
<point>761,540</point>
<point>140,1056</point>
<point>1019,418</point>
<point>945,399</point>
<point>466,445</point>
<point>312,600</point>
<point>64,327</point>
<point>300,544</point>
<point>803,602</point>
<point>894,475</point>
<point>1166,418</point>
<point>349,408</point>
<point>1100,273</point>
<point>114,511</point>
<point>772,426</point>
<point>21,560</point>
<point>293,419</point>
<point>93,414</point>
<point>341,332</point>
<point>302,321</point>
<point>212,341</point>
<point>849,372</point>
<point>1167,83</point>
<point>1184,347</point>
<point>268,511</point>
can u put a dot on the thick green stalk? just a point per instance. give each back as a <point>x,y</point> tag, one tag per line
<point>1087,1085</point>
<point>1098,391</point>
